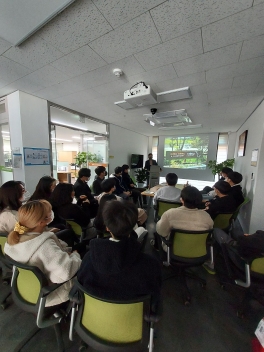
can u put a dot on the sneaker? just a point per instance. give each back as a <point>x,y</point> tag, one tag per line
<point>209,268</point>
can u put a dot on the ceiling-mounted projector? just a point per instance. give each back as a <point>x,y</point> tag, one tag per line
<point>141,94</point>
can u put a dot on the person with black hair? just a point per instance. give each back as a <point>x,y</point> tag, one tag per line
<point>129,184</point>
<point>120,190</point>
<point>169,192</point>
<point>223,173</point>
<point>83,191</point>
<point>11,197</point>
<point>223,202</point>
<point>44,188</point>
<point>98,221</point>
<point>186,217</point>
<point>234,178</point>
<point>123,271</point>
<point>99,178</point>
<point>108,187</point>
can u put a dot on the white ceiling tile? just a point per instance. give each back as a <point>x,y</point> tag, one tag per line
<point>254,78</point>
<point>243,89</point>
<point>34,53</point>
<point>210,87</point>
<point>46,76</point>
<point>219,94</point>
<point>253,47</point>
<point>25,85</point>
<point>153,76</point>
<point>256,2</point>
<point>75,27</point>
<point>4,46</point>
<point>77,97</point>
<point>174,18</point>
<point>212,59</point>
<point>235,28</point>
<point>11,71</point>
<point>136,35</point>
<point>3,83</point>
<point>79,61</point>
<point>118,86</point>
<point>177,49</point>
<point>237,69</point>
<point>179,82</point>
<point>6,90</point>
<point>118,12</point>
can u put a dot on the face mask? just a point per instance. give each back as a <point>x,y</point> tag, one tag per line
<point>22,199</point>
<point>51,218</point>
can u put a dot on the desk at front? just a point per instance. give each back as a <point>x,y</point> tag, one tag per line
<point>151,192</point>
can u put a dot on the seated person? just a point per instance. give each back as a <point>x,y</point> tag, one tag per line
<point>123,271</point>
<point>99,178</point>
<point>30,244</point>
<point>170,192</point>
<point>44,188</point>
<point>120,190</point>
<point>234,178</point>
<point>223,202</point>
<point>187,217</point>
<point>223,173</point>
<point>11,197</point>
<point>129,184</point>
<point>108,187</point>
<point>61,201</point>
<point>83,191</point>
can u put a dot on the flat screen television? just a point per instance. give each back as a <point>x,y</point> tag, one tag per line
<point>136,161</point>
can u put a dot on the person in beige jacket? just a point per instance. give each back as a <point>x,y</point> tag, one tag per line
<point>30,244</point>
<point>187,217</point>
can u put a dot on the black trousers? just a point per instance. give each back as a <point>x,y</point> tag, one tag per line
<point>136,195</point>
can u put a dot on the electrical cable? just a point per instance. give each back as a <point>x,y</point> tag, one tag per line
<point>144,84</point>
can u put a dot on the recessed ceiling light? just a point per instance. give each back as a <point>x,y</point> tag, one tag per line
<point>59,139</point>
<point>75,137</point>
<point>6,132</point>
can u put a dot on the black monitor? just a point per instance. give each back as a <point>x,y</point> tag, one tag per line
<point>136,161</point>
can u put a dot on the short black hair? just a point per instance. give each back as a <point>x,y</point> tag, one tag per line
<point>84,172</point>
<point>223,187</point>
<point>150,154</point>
<point>99,169</point>
<point>118,170</point>
<point>125,167</point>
<point>226,170</point>
<point>235,177</point>
<point>108,184</point>
<point>191,196</point>
<point>98,221</point>
<point>120,218</point>
<point>61,195</point>
<point>171,179</point>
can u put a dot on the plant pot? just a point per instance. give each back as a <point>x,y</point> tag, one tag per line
<point>140,184</point>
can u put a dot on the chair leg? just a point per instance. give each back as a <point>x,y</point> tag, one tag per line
<point>151,337</point>
<point>32,333</point>
<point>186,293</point>
<point>59,338</point>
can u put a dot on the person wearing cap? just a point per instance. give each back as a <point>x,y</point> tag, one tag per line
<point>100,176</point>
<point>234,178</point>
<point>83,191</point>
<point>223,202</point>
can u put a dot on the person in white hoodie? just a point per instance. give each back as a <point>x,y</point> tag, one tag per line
<point>30,244</point>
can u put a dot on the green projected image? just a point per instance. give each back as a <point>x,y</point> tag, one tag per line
<point>186,152</point>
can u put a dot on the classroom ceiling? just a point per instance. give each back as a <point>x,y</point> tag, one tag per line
<point>215,46</point>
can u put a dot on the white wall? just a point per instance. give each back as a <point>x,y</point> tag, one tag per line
<point>28,121</point>
<point>123,143</point>
<point>231,145</point>
<point>251,217</point>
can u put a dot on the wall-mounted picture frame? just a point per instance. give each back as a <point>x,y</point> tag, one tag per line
<point>254,157</point>
<point>242,142</point>
<point>36,156</point>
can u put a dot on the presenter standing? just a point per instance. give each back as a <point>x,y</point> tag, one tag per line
<point>148,164</point>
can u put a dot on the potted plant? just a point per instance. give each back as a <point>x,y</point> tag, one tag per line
<point>81,159</point>
<point>216,168</point>
<point>141,177</point>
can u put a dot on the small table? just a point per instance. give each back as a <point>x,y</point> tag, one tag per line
<point>151,193</point>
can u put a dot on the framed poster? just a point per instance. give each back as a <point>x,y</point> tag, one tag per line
<point>242,144</point>
<point>254,157</point>
<point>36,156</point>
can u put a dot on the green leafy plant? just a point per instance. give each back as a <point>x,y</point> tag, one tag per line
<point>216,168</point>
<point>141,175</point>
<point>81,158</point>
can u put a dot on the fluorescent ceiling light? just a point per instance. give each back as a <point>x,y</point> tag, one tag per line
<point>75,137</point>
<point>179,127</point>
<point>6,132</point>
<point>59,139</point>
<point>89,139</point>
<point>152,123</point>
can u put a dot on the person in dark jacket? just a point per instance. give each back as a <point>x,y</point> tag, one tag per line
<point>223,202</point>
<point>123,271</point>
<point>99,178</point>
<point>83,191</point>
<point>129,184</point>
<point>120,190</point>
<point>234,178</point>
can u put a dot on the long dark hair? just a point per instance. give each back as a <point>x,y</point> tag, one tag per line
<point>43,188</point>
<point>10,194</point>
<point>98,221</point>
<point>61,195</point>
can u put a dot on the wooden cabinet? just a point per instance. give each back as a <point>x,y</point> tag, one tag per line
<point>68,157</point>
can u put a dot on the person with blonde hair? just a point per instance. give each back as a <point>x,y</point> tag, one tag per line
<point>29,243</point>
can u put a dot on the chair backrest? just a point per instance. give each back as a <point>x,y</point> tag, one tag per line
<point>235,214</point>
<point>117,323</point>
<point>188,244</point>
<point>163,205</point>
<point>258,266</point>
<point>3,239</point>
<point>223,220</point>
<point>75,227</point>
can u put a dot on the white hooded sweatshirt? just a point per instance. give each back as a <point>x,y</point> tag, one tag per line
<point>50,255</point>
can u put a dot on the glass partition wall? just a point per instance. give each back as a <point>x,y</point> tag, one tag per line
<point>73,133</point>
